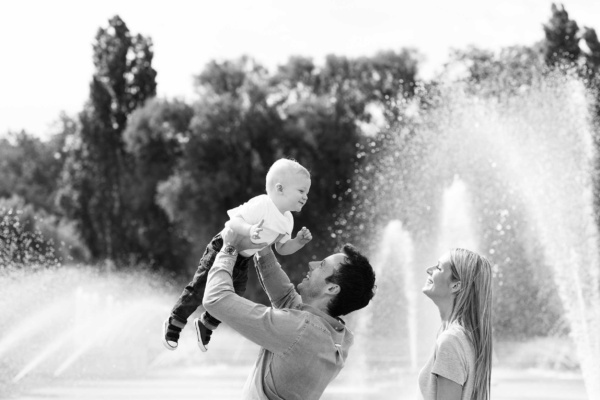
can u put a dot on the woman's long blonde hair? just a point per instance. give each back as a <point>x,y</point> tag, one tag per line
<point>472,310</point>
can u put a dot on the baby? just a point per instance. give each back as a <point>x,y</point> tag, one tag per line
<point>266,219</point>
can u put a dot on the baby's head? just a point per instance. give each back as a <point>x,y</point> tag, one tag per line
<point>288,184</point>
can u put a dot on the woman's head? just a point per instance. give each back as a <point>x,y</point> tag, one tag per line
<point>441,285</point>
<point>472,275</point>
<point>472,309</point>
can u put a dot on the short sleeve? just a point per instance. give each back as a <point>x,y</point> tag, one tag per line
<point>289,227</point>
<point>450,359</point>
<point>253,211</point>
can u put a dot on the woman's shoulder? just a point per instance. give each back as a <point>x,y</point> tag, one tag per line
<point>455,329</point>
<point>454,333</point>
<point>455,336</point>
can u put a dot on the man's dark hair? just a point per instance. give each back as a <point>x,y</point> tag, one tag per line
<point>356,280</point>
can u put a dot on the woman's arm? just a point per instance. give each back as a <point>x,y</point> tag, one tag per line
<point>447,389</point>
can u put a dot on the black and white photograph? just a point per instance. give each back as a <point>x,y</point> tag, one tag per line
<point>285,200</point>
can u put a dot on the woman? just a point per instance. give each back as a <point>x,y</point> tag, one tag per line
<point>460,285</point>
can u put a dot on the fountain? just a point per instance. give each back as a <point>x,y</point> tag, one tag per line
<point>508,177</point>
<point>77,323</point>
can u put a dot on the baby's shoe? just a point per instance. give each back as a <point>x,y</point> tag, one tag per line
<point>203,334</point>
<point>171,330</point>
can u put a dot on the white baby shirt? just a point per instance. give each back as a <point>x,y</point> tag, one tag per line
<point>275,223</point>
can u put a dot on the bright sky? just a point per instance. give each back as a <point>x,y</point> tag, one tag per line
<point>46,46</point>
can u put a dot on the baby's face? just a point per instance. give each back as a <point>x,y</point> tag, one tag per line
<point>295,192</point>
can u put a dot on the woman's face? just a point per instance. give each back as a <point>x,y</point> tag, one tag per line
<point>439,279</point>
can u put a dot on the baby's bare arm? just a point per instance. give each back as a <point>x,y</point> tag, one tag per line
<point>291,246</point>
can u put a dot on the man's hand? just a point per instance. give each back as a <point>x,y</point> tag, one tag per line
<point>304,236</point>
<point>242,242</point>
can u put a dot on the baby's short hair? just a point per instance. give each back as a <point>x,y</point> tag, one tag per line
<point>281,170</point>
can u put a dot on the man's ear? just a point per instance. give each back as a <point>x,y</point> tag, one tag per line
<point>279,187</point>
<point>333,288</point>
<point>455,287</point>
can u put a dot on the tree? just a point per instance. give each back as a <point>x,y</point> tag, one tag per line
<point>562,40</point>
<point>498,74</point>
<point>97,166</point>
<point>389,79</point>
<point>383,80</point>
<point>155,136</point>
<point>22,244</point>
<point>30,168</point>
<point>592,56</point>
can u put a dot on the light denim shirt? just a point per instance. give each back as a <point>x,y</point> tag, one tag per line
<point>302,348</point>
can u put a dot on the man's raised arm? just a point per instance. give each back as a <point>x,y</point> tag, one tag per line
<point>275,281</point>
<point>273,329</point>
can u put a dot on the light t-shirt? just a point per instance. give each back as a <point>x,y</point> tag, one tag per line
<point>454,359</point>
<point>275,223</point>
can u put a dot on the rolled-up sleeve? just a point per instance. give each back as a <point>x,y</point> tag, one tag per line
<point>275,282</point>
<point>273,329</point>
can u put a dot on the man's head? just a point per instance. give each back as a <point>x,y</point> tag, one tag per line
<point>288,184</point>
<point>344,282</point>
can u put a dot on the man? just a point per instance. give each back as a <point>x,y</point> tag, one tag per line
<point>304,342</point>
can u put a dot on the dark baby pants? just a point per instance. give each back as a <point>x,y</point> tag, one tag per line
<point>191,297</point>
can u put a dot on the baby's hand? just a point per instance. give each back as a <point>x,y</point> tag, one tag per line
<point>304,236</point>
<point>255,231</point>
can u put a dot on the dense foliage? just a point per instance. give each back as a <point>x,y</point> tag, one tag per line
<point>137,179</point>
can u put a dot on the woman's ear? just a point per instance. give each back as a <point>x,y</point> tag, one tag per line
<point>455,287</point>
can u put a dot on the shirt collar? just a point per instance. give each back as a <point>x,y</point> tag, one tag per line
<point>337,324</point>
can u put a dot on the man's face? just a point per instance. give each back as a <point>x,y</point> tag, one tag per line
<point>314,284</point>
